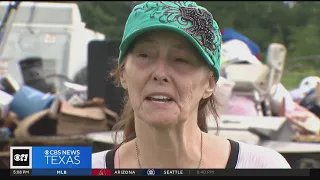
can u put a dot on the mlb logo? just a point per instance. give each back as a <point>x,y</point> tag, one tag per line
<point>20,157</point>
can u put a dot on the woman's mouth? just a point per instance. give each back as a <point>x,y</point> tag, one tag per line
<point>159,99</point>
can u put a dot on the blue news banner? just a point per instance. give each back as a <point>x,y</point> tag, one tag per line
<point>50,161</point>
<point>76,161</point>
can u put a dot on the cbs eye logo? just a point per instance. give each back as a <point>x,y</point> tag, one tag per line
<point>20,157</point>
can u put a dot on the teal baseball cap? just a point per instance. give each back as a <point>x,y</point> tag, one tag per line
<point>184,17</point>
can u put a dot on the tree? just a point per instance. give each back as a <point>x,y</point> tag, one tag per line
<point>106,17</point>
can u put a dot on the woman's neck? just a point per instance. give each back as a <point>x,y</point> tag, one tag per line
<point>178,146</point>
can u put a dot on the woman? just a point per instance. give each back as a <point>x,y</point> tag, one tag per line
<point>169,66</point>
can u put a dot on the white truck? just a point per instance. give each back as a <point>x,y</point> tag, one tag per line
<point>53,31</point>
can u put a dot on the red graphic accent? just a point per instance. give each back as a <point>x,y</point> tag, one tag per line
<point>101,172</point>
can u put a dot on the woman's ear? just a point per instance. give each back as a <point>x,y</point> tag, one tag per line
<point>122,75</point>
<point>209,88</point>
<point>123,81</point>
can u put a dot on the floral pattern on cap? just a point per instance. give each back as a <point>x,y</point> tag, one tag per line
<point>194,20</point>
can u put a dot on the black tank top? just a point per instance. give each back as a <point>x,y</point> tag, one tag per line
<point>231,164</point>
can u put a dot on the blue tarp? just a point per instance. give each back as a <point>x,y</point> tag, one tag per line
<point>230,34</point>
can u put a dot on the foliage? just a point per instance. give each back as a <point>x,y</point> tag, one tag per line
<point>262,21</point>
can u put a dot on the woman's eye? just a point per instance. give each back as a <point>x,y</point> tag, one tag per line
<point>181,60</point>
<point>143,55</point>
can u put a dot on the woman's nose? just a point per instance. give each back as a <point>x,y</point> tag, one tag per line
<point>160,78</point>
<point>160,73</point>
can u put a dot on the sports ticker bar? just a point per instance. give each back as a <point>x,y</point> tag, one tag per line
<point>160,172</point>
<point>205,172</point>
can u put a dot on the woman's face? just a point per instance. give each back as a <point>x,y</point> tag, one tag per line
<point>165,78</point>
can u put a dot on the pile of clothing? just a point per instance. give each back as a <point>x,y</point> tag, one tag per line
<point>239,49</point>
<point>305,100</point>
<point>307,94</point>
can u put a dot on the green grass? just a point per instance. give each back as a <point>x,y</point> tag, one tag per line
<point>292,79</point>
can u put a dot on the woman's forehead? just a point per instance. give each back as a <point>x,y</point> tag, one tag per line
<point>176,40</point>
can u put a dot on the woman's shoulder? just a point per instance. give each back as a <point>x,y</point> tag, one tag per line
<point>99,160</point>
<point>255,156</point>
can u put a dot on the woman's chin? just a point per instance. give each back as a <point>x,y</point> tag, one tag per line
<point>160,119</point>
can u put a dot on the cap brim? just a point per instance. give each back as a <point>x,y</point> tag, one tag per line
<point>129,39</point>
